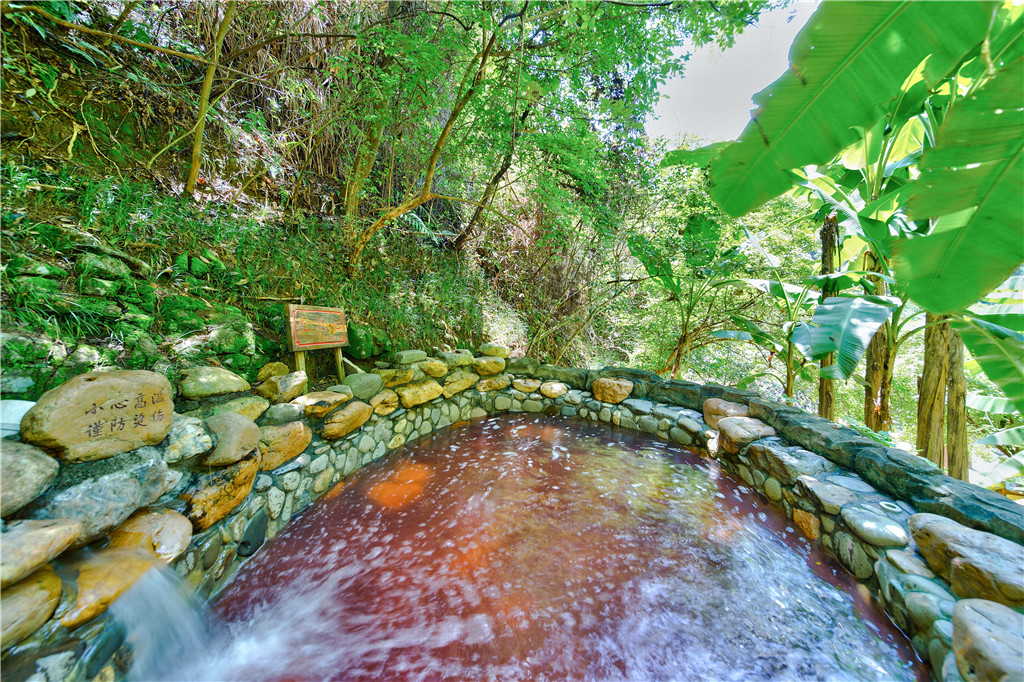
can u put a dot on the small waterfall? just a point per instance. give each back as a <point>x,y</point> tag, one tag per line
<point>166,625</point>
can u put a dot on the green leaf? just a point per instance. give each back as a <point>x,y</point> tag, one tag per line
<point>654,261</point>
<point>694,157</point>
<point>731,334</point>
<point>843,326</point>
<point>974,180</point>
<point>1012,436</point>
<point>758,335</point>
<point>1008,468</point>
<point>848,64</point>
<point>999,351</point>
<point>991,404</point>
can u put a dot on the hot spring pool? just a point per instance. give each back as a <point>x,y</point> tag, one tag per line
<point>533,548</point>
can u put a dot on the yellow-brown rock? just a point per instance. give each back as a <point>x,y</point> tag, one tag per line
<point>716,409</point>
<point>494,383</point>
<point>318,403</point>
<point>433,368</point>
<point>419,393</point>
<point>526,385</point>
<point>103,577</point>
<point>164,532</point>
<point>25,606</point>
<point>395,377</point>
<point>553,389</point>
<point>272,369</point>
<point>25,473</point>
<point>100,414</point>
<point>237,436</point>
<point>611,390</point>
<point>736,432</point>
<point>487,365</point>
<point>279,444</point>
<point>251,406</point>
<point>212,496</point>
<point>384,403</point>
<point>29,544</point>
<point>458,381</point>
<point>808,523</point>
<point>281,389</point>
<point>342,422</point>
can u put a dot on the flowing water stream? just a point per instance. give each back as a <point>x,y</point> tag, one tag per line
<point>528,548</point>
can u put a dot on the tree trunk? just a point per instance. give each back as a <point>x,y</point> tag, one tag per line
<point>931,401</point>
<point>829,237</point>
<point>877,365</point>
<point>956,411</point>
<point>204,100</point>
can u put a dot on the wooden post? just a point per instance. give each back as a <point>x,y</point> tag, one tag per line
<point>339,363</point>
<point>300,361</point>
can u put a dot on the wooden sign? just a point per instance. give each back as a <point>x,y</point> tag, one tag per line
<point>310,327</point>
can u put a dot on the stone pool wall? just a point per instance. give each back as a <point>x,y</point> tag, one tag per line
<point>118,470</point>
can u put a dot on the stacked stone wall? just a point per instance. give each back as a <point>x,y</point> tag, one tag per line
<point>88,507</point>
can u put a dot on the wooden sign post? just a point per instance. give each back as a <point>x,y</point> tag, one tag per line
<point>314,328</point>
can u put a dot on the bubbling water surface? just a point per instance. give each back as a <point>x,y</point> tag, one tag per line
<point>529,548</point>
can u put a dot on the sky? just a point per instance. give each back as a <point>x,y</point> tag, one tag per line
<point>712,99</point>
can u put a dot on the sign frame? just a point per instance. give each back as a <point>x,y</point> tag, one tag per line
<point>292,313</point>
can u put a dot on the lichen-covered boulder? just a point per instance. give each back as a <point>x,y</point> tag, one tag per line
<point>526,385</point>
<point>412,395</point>
<point>488,365</point>
<point>433,368</point>
<point>553,389</point>
<point>458,381</point>
<point>187,438</point>
<point>280,444</point>
<point>100,414</point>
<point>494,350</point>
<point>342,422</point>
<point>202,382</point>
<point>103,503</point>
<point>384,403</point>
<point>272,369</point>
<point>25,473</point>
<point>364,386</point>
<point>494,383</point>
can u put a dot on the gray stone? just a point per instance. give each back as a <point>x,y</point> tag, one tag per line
<point>494,350</point>
<point>853,556</point>
<point>458,358</point>
<point>254,534</point>
<point>570,376</point>
<point>908,563</point>
<point>573,398</point>
<point>827,496</point>
<point>11,414</point>
<point>317,465</point>
<point>734,433</point>
<point>674,392</point>
<point>364,386</point>
<point>275,502</point>
<point>105,267</point>
<point>25,473</point>
<point>521,366</point>
<point>407,357</point>
<point>292,465</point>
<point>874,527</point>
<point>502,403</point>
<point>532,406</point>
<point>678,435</point>
<point>987,640</point>
<point>366,443</point>
<point>568,411</point>
<point>773,489</point>
<point>638,407</point>
<point>789,464</point>
<point>263,481</point>
<point>647,424</point>
<point>103,503</point>
<point>976,564</point>
<point>279,414</point>
<point>187,438</point>
<point>923,609</point>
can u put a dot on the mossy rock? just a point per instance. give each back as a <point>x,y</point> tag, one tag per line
<point>34,286</point>
<point>25,265</point>
<point>94,286</point>
<point>360,341</point>
<point>129,333</point>
<point>179,314</point>
<point>235,337</point>
<point>237,362</point>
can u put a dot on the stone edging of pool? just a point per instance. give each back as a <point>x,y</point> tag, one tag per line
<point>233,464</point>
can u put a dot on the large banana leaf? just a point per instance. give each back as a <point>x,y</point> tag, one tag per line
<point>847,66</point>
<point>974,179</point>
<point>693,157</point>
<point>654,260</point>
<point>843,326</point>
<point>1000,352</point>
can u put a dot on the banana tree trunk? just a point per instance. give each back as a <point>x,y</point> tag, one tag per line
<point>956,411</point>
<point>931,401</point>
<point>826,388</point>
<point>877,365</point>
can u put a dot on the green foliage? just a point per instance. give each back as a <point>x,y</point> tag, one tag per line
<point>843,326</point>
